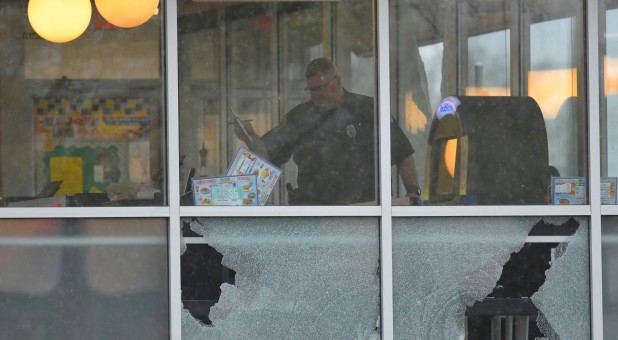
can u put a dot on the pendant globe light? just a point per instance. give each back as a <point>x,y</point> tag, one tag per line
<point>126,13</point>
<point>59,21</point>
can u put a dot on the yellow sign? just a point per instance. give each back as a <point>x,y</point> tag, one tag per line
<point>70,171</point>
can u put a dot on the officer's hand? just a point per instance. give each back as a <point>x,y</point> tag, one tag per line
<point>414,193</point>
<point>245,137</point>
<point>415,200</point>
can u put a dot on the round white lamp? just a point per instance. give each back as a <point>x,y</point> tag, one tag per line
<point>126,13</point>
<point>59,20</point>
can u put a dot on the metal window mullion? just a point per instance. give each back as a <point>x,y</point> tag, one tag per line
<point>280,211</point>
<point>593,95</point>
<point>450,69</point>
<point>520,48</point>
<point>386,232</point>
<point>461,13</point>
<point>455,64</point>
<point>223,33</point>
<point>275,109</point>
<point>488,211</point>
<point>602,52</point>
<point>173,171</point>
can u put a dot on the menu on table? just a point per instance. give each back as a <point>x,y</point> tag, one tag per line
<point>225,191</point>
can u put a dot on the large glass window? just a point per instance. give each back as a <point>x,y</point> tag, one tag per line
<point>608,138</point>
<point>609,105</point>
<point>281,97</point>
<point>284,278</point>
<point>490,94</point>
<point>275,103</point>
<point>84,279</point>
<point>81,119</point>
<point>491,278</point>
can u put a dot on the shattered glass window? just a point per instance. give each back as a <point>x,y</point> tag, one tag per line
<point>280,278</point>
<point>83,279</point>
<point>491,278</point>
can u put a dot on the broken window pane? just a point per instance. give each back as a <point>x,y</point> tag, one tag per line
<point>280,278</point>
<point>83,279</point>
<point>504,278</point>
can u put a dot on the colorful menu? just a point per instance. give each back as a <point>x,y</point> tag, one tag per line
<point>248,163</point>
<point>608,190</point>
<point>568,190</point>
<point>225,191</point>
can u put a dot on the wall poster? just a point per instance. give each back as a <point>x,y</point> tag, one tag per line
<point>89,143</point>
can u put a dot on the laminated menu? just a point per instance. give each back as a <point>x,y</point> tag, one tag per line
<point>225,191</point>
<point>248,163</point>
<point>608,190</point>
<point>568,190</point>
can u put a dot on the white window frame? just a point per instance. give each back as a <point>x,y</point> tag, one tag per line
<point>385,212</point>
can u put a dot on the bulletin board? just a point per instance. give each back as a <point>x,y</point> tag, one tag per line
<point>89,143</point>
<point>82,169</point>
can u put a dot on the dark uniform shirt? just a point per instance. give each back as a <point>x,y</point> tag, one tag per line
<point>334,150</point>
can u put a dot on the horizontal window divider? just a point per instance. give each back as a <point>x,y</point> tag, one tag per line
<point>313,240</point>
<point>609,239</point>
<point>82,241</point>
<point>493,210</point>
<point>609,210</point>
<point>85,212</point>
<point>317,211</point>
<point>548,239</point>
<point>266,211</point>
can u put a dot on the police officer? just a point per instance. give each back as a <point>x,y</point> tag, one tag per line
<point>332,140</point>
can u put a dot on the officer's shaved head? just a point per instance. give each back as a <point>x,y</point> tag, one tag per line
<point>320,65</point>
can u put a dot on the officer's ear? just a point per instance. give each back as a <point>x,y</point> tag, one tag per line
<point>338,80</point>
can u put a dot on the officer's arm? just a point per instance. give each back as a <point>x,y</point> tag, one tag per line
<point>253,141</point>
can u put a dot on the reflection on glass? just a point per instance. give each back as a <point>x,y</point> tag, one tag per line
<point>491,278</point>
<point>488,65</point>
<point>609,105</point>
<point>610,275</point>
<point>294,84</point>
<point>450,155</point>
<point>81,120</point>
<point>84,279</point>
<point>468,50</point>
<point>554,84</point>
<point>280,278</point>
<point>445,183</point>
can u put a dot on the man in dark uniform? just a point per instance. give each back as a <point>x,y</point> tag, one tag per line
<point>332,140</point>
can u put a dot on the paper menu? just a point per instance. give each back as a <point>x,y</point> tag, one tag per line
<point>248,163</point>
<point>243,163</point>
<point>608,190</point>
<point>568,190</point>
<point>225,191</point>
